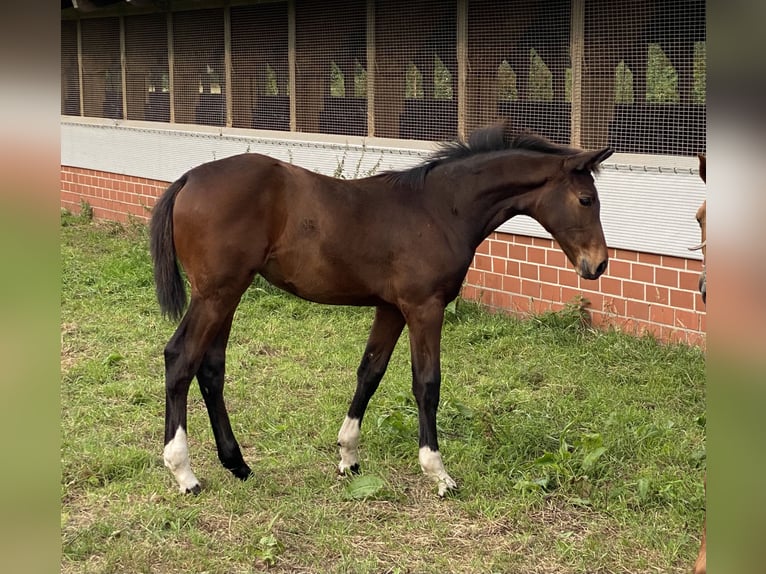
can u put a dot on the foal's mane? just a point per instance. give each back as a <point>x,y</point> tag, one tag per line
<point>490,139</point>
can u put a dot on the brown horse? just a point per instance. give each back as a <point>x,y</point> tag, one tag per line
<point>401,242</point>
<point>700,566</point>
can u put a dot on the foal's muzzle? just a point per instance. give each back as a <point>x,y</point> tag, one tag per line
<point>703,285</point>
<point>587,273</point>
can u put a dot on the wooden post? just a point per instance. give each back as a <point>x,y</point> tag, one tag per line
<point>79,66</point>
<point>371,68</point>
<point>227,64</point>
<point>577,51</point>
<point>462,67</point>
<point>291,64</point>
<point>171,67</point>
<point>123,69</point>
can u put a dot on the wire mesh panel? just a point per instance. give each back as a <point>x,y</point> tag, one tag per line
<point>331,64</point>
<point>644,76</point>
<point>70,72</point>
<point>416,69</point>
<point>519,67</point>
<point>101,68</point>
<point>198,67</point>
<point>259,61</point>
<point>146,63</point>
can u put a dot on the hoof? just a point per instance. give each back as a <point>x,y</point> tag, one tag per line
<point>345,471</point>
<point>242,472</point>
<point>195,490</point>
<point>447,487</point>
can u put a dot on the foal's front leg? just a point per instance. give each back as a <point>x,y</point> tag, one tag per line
<point>425,336</point>
<point>384,334</point>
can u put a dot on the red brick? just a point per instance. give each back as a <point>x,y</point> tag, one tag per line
<point>529,271</point>
<point>473,276</point>
<point>483,248</point>
<point>530,288</point>
<point>493,281</point>
<point>667,277</point>
<point>610,285</point>
<point>656,294</point>
<point>482,262</point>
<point>650,258</point>
<point>555,258</point>
<point>694,265</point>
<point>512,268</point>
<point>614,306</point>
<point>661,315</point>
<point>619,269</point>
<point>637,309</point>
<point>500,300</point>
<point>626,255</point>
<point>536,255</point>
<point>568,277</point>
<point>682,299</point>
<point>687,320</point>
<point>643,273</point>
<point>633,290</point>
<point>542,242</point>
<point>549,274</point>
<point>498,249</point>
<point>674,262</point>
<point>517,252</point>
<point>511,284</point>
<point>550,292</point>
<point>688,280</point>
<point>522,239</point>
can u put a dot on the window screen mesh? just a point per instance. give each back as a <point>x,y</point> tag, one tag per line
<point>519,66</point>
<point>70,72</point>
<point>416,69</point>
<point>101,68</point>
<point>146,64</point>
<point>630,75</point>
<point>259,76</point>
<point>644,76</point>
<point>330,68</point>
<point>198,67</point>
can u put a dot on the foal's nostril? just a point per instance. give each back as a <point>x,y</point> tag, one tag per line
<point>601,268</point>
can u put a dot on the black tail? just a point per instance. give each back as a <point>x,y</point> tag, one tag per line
<point>171,291</point>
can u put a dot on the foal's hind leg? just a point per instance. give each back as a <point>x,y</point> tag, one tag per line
<point>183,356</point>
<point>211,379</point>
<point>386,328</point>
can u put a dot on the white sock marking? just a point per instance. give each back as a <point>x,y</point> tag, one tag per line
<point>176,455</point>
<point>348,441</point>
<point>433,467</point>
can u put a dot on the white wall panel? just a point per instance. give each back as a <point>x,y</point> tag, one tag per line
<point>646,204</point>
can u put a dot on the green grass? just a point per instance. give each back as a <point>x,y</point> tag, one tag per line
<point>574,450</point>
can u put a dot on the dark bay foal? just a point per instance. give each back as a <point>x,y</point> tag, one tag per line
<point>401,242</point>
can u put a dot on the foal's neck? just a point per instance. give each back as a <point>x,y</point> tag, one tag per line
<point>490,191</point>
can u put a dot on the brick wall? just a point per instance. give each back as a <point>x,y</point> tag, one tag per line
<point>640,292</point>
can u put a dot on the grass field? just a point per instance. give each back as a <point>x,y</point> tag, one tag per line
<point>574,450</point>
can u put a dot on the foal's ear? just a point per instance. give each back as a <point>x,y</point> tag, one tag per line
<point>703,166</point>
<point>587,160</point>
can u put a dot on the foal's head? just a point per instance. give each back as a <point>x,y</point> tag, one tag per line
<point>568,207</point>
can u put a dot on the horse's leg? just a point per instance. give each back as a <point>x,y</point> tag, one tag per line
<point>425,326</point>
<point>183,356</point>
<point>211,378</point>
<point>386,328</point>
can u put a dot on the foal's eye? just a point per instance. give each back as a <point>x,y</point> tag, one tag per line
<point>586,201</point>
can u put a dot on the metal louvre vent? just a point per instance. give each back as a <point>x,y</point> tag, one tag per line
<point>70,73</point>
<point>259,62</point>
<point>146,68</point>
<point>101,68</point>
<point>198,67</point>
